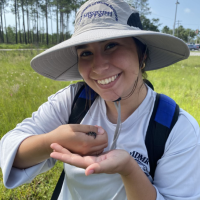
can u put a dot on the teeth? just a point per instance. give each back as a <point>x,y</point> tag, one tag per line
<point>107,80</point>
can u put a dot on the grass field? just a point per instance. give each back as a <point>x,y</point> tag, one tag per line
<point>23,91</point>
<point>23,46</point>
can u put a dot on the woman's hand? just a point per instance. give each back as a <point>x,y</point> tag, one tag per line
<point>74,138</point>
<point>115,161</point>
<point>136,183</point>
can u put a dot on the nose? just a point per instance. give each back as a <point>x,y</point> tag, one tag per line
<point>100,63</point>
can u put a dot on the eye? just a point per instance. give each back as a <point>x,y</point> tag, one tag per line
<point>111,45</point>
<point>85,54</point>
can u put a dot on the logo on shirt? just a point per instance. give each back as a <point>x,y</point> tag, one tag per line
<point>142,161</point>
<point>139,157</point>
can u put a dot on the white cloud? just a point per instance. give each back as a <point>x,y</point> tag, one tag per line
<point>187,10</point>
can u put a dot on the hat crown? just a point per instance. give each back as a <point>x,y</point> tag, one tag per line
<point>103,14</point>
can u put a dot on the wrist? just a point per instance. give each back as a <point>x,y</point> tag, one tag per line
<point>47,141</point>
<point>129,167</point>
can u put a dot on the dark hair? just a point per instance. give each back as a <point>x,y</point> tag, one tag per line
<point>90,94</point>
<point>141,48</point>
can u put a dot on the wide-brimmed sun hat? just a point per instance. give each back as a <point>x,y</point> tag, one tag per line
<point>103,20</point>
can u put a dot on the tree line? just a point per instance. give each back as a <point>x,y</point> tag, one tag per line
<point>34,21</point>
<point>186,34</point>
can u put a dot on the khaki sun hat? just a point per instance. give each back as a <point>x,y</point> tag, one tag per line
<point>103,20</point>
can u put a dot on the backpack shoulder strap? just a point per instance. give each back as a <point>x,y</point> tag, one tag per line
<point>164,116</point>
<point>58,187</point>
<point>148,83</point>
<point>81,104</point>
<point>79,109</point>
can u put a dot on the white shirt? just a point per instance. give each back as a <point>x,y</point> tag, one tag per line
<point>177,174</point>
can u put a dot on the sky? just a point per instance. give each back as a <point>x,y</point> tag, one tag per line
<point>188,14</point>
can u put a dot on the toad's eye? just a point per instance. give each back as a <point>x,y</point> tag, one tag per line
<point>85,54</point>
<point>111,45</point>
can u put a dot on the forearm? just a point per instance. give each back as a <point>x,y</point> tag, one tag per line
<point>32,150</point>
<point>137,185</point>
<point>36,149</point>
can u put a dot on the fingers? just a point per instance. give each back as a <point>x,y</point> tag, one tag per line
<point>93,139</point>
<point>60,153</point>
<point>115,161</point>
<point>58,148</point>
<point>92,169</point>
<point>89,162</point>
<point>74,137</point>
<point>83,128</point>
<point>66,156</point>
<point>97,150</point>
<point>86,128</point>
<point>101,167</point>
<point>111,162</point>
<point>100,130</point>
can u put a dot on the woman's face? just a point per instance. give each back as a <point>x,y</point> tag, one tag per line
<point>109,67</point>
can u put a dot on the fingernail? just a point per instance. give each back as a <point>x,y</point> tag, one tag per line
<point>100,130</point>
<point>90,172</point>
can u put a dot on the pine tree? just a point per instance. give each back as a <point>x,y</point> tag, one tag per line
<point>1,23</point>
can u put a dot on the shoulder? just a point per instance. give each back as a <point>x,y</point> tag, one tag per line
<point>184,135</point>
<point>185,121</point>
<point>190,122</point>
<point>56,110</point>
<point>69,91</point>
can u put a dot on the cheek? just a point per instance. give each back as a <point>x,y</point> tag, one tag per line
<point>80,71</point>
<point>126,60</point>
<point>83,69</point>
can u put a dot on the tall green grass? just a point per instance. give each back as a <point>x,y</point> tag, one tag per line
<point>23,91</point>
<point>24,46</point>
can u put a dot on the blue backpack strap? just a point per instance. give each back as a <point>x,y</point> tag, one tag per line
<point>81,104</point>
<point>164,116</point>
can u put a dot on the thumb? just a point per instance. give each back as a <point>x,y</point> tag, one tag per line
<point>94,168</point>
<point>100,130</point>
<point>103,166</point>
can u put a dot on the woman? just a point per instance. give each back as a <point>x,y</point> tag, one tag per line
<point>110,52</point>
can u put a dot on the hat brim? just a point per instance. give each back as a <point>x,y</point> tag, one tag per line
<point>60,61</point>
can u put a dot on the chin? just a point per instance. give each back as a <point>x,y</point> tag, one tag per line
<point>110,97</point>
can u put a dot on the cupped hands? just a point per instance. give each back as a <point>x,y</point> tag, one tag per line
<point>115,161</point>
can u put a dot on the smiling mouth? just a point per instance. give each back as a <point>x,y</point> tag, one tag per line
<point>107,80</point>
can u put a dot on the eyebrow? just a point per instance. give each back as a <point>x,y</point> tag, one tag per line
<point>84,46</point>
<point>81,46</point>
